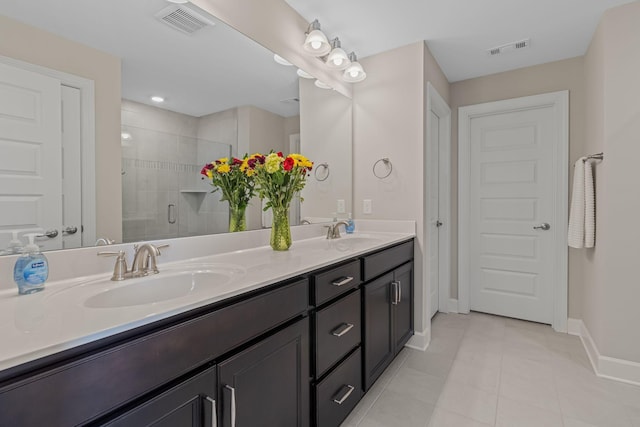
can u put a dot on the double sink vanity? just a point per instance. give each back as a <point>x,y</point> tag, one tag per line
<point>247,337</point>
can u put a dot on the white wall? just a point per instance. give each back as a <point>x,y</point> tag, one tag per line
<point>389,121</point>
<point>612,292</point>
<point>326,137</point>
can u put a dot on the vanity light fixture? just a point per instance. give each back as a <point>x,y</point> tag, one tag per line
<point>354,73</point>
<point>157,99</point>
<point>322,85</point>
<point>337,59</point>
<point>304,74</point>
<point>316,43</point>
<point>280,60</point>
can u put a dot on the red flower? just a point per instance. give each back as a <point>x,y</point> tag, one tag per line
<point>237,161</point>
<point>280,154</point>
<point>288,164</point>
<point>252,163</point>
<point>206,168</point>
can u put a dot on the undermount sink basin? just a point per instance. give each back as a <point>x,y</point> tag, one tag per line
<point>351,241</point>
<point>169,284</point>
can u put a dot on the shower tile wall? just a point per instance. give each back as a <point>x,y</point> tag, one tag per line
<point>163,195</point>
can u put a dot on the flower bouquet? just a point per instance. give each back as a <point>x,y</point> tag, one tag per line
<point>278,179</point>
<point>234,178</point>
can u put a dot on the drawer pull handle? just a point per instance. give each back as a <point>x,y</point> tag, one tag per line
<point>342,329</point>
<point>233,404</point>
<point>214,416</point>
<point>342,281</point>
<point>395,297</point>
<point>346,395</point>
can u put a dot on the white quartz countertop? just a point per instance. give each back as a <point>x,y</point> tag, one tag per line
<point>58,318</point>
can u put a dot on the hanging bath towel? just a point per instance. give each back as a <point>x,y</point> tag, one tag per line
<point>582,217</point>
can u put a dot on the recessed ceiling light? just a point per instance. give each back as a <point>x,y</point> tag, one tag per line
<point>304,74</point>
<point>157,99</point>
<point>280,60</point>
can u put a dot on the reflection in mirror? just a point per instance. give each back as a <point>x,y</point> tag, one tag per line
<point>224,94</point>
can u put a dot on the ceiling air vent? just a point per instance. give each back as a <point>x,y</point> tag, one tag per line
<point>521,44</point>
<point>183,19</point>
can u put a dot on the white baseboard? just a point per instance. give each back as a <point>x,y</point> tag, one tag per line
<point>419,341</point>
<point>604,366</point>
<point>453,305</point>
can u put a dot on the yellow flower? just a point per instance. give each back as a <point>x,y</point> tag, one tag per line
<point>223,160</point>
<point>272,162</point>
<point>245,164</point>
<point>250,172</point>
<point>210,173</point>
<point>224,168</point>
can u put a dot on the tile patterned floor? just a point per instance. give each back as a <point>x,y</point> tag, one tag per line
<point>482,370</point>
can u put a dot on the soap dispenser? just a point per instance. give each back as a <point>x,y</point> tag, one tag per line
<point>31,269</point>
<point>15,245</point>
<point>351,226</point>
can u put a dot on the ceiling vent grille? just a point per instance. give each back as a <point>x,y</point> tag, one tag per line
<point>509,47</point>
<point>183,19</point>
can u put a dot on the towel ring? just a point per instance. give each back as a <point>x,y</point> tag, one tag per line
<point>387,163</point>
<point>325,173</point>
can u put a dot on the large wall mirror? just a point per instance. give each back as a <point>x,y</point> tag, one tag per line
<point>223,95</point>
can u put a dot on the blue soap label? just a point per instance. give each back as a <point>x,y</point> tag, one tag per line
<point>36,272</point>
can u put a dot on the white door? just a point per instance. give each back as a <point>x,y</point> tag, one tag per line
<point>30,164</point>
<point>434,211</point>
<point>513,214</point>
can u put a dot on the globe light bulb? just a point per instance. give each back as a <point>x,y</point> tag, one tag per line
<point>353,73</point>
<point>316,44</point>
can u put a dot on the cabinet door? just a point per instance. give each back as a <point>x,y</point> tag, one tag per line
<point>268,383</point>
<point>378,332</point>
<point>403,309</point>
<point>191,403</point>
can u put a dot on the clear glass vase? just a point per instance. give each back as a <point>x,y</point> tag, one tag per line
<point>237,219</point>
<point>280,230</point>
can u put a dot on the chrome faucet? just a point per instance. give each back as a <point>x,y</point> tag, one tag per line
<point>144,261</point>
<point>104,241</point>
<point>305,221</point>
<point>333,230</point>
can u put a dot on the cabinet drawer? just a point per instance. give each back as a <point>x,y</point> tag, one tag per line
<point>338,394</point>
<point>338,331</point>
<point>383,261</point>
<point>336,281</point>
<point>105,380</point>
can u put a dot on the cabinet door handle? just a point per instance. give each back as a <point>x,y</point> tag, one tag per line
<point>214,416</point>
<point>233,404</point>
<point>394,293</point>
<point>342,281</point>
<point>399,291</point>
<point>345,396</point>
<point>342,329</point>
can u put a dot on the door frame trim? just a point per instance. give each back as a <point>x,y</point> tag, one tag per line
<point>559,101</point>
<point>440,108</point>
<point>88,132</point>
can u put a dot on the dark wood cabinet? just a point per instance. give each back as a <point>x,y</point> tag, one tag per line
<point>256,360</point>
<point>388,319</point>
<point>189,404</point>
<point>268,383</point>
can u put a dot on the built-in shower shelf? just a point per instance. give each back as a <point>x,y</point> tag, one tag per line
<point>195,191</point>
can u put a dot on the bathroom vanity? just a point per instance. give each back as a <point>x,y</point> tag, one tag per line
<point>297,351</point>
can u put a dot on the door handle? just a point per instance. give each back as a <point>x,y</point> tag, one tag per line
<point>69,230</point>
<point>52,234</point>
<point>544,226</point>
<point>439,223</point>
<point>396,294</point>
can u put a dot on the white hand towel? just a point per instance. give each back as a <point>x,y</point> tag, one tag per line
<point>582,219</point>
<point>577,214</point>
<point>589,207</point>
